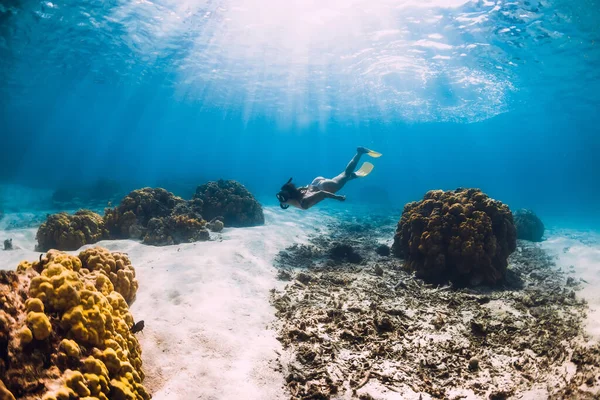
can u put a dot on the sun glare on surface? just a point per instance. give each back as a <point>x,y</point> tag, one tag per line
<point>310,60</point>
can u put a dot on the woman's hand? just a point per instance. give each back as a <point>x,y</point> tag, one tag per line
<point>340,198</point>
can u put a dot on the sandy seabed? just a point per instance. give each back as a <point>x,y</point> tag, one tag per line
<point>209,317</point>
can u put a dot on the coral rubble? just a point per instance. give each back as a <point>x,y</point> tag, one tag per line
<point>65,329</point>
<point>69,232</point>
<point>368,331</point>
<point>462,235</point>
<point>529,226</point>
<point>232,201</point>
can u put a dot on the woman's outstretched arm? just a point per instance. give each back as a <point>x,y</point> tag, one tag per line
<point>315,197</point>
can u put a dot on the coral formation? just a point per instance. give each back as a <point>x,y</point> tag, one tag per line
<point>383,250</point>
<point>176,229</point>
<point>529,226</point>
<point>131,217</point>
<point>232,201</point>
<point>462,236</point>
<point>65,329</point>
<point>216,224</point>
<point>157,217</point>
<point>116,267</point>
<point>344,252</point>
<point>69,232</point>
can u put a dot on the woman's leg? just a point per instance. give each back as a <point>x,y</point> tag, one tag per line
<point>335,184</point>
<point>348,173</point>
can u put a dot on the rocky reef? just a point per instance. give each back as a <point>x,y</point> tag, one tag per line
<point>8,245</point>
<point>131,217</point>
<point>183,225</point>
<point>65,329</point>
<point>157,217</point>
<point>69,232</point>
<point>462,236</point>
<point>232,201</point>
<point>529,226</point>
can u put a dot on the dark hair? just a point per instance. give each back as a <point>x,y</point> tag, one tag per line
<point>292,191</point>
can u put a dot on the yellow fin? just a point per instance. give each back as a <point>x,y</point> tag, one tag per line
<point>364,170</point>
<point>373,154</point>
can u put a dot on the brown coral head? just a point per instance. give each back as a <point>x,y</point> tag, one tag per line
<point>461,236</point>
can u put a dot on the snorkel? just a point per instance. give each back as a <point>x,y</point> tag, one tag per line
<point>283,196</point>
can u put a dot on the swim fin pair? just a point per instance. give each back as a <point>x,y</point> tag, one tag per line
<point>367,167</point>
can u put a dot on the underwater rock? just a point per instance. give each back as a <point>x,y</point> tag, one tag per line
<point>462,236</point>
<point>216,224</point>
<point>175,229</point>
<point>69,232</point>
<point>529,226</point>
<point>8,244</point>
<point>383,250</point>
<point>65,330</point>
<point>158,218</point>
<point>131,217</point>
<point>232,201</point>
<point>344,252</point>
<point>183,225</point>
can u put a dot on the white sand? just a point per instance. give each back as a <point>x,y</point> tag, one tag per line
<point>578,253</point>
<point>206,307</point>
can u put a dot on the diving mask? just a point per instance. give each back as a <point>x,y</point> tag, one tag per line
<point>282,196</point>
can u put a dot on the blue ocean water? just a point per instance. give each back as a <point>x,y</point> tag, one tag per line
<point>500,95</point>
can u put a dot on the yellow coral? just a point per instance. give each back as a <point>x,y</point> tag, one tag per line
<point>25,336</point>
<point>121,390</point>
<point>75,381</point>
<point>116,266</point>
<point>85,295</point>
<point>23,266</point>
<point>34,304</point>
<point>70,232</point>
<point>57,287</point>
<point>39,324</point>
<point>70,348</point>
<point>87,321</point>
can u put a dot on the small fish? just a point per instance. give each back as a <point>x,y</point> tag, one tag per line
<point>137,327</point>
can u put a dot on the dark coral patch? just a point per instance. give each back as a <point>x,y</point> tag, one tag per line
<point>529,226</point>
<point>462,236</point>
<point>232,201</point>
